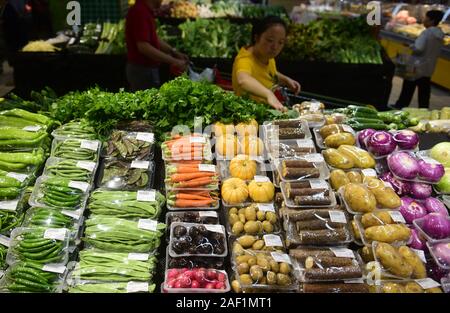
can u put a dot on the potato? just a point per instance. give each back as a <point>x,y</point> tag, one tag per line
<point>260,215</point>
<point>392,261</point>
<point>388,233</point>
<point>242,259</point>
<point>237,228</point>
<point>246,279</point>
<point>274,266</point>
<point>355,177</point>
<point>336,140</point>
<point>259,226</point>
<point>236,286</point>
<point>256,273</point>
<point>238,249</point>
<point>233,211</point>
<point>393,288</point>
<point>338,178</point>
<point>359,199</point>
<point>360,157</point>
<point>233,218</point>
<point>283,280</point>
<point>271,217</point>
<point>376,219</point>
<point>271,278</point>
<point>250,213</point>
<point>243,268</point>
<point>242,218</point>
<point>252,261</point>
<point>386,196</point>
<point>336,159</point>
<point>367,254</point>
<point>413,287</point>
<point>331,129</point>
<point>241,211</point>
<point>251,228</point>
<point>263,263</point>
<point>285,268</point>
<point>263,281</point>
<point>419,270</point>
<point>258,245</point>
<point>356,232</point>
<point>246,241</point>
<point>267,227</point>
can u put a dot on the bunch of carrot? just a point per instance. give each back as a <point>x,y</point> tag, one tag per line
<point>192,198</point>
<point>181,148</point>
<point>189,176</point>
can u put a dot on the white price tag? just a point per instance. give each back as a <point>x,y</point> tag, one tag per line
<point>55,233</point>
<point>147,137</point>
<point>138,256</point>
<point>427,283</point>
<point>305,143</point>
<point>32,128</point>
<point>207,168</point>
<point>89,144</point>
<point>429,160</point>
<point>215,228</point>
<point>54,268</point>
<point>343,253</point>
<point>420,254</point>
<point>369,172</point>
<point>318,184</point>
<point>146,195</point>
<point>266,207</point>
<point>5,240</point>
<point>73,214</point>
<point>140,164</point>
<point>272,241</point>
<point>86,165</point>
<point>261,179</point>
<point>207,214</point>
<point>347,128</point>
<point>337,217</point>
<point>281,257</point>
<point>197,139</point>
<point>397,217</point>
<point>9,205</point>
<point>137,286</point>
<point>17,176</point>
<point>148,224</point>
<point>314,157</point>
<point>81,185</point>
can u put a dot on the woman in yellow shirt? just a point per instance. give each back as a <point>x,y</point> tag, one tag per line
<point>254,68</point>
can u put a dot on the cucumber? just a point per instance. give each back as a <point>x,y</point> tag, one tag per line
<point>364,120</point>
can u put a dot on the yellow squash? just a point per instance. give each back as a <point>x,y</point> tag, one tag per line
<point>234,191</point>
<point>261,191</point>
<point>242,167</point>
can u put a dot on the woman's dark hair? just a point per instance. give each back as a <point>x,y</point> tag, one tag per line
<point>435,16</point>
<point>260,26</point>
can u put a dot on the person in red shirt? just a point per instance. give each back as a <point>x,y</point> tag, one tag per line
<point>145,51</point>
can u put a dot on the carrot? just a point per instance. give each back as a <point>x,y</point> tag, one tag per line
<point>181,203</point>
<point>198,182</point>
<point>187,169</point>
<point>187,196</point>
<point>204,193</point>
<point>176,178</point>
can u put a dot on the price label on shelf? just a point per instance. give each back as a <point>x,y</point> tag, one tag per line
<point>148,224</point>
<point>272,241</point>
<point>197,139</point>
<point>81,185</point>
<point>397,217</point>
<point>215,228</point>
<point>266,207</point>
<point>318,184</point>
<point>5,240</point>
<point>369,172</point>
<point>55,233</point>
<point>281,257</point>
<point>314,157</point>
<point>137,286</point>
<point>54,268</point>
<point>138,256</point>
<point>86,165</point>
<point>337,217</point>
<point>207,214</point>
<point>347,128</point>
<point>427,283</point>
<point>17,176</point>
<point>420,254</point>
<point>32,128</point>
<point>207,168</point>
<point>146,195</point>
<point>89,144</point>
<point>261,179</point>
<point>9,205</point>
<point>305,143</point>
<point>73,214</point>
<point>147,137</point>
<point>140,164</point>
<point>343,252</point>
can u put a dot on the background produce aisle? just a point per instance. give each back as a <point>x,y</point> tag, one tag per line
<point>338,200</point>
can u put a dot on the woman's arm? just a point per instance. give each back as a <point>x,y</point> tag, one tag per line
<point>155,54</point>
<point>253,86</point>
<point>170,50</point>
<point>293,85</point>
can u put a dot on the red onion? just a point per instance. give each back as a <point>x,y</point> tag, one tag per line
<point>411,210</point>
<point>363,135</point>
<point>442,252</point>
<point>416,242</point>
<point>406,139</point>
<point>420,190</point>
<point>436,226</point>
<point>431,172</point>
<point>403,165</point>
<point>433,205</point>
<point>380,143</point>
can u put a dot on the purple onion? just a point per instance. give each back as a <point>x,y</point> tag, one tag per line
<point>381,143</point>
<point>363,135</point>
<point>436,226</point>
<point>411,209</point>
<point>430,172</point>
<point>442,252</point>
<point>403,165</point>
<point>420,190</point>
<point>400,187</point>
<point>416,242</point>
<point>433,205</point>
<point>406,139</point>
